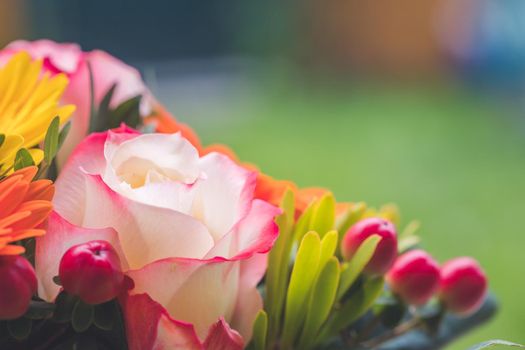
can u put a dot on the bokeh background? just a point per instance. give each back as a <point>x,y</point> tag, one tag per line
<point>418,102</point>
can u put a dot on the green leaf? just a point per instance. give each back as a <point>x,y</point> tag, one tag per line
<point>321,302</point>
<point>65,303</point>
<point>301,281</point>
<point>83,316</point>
<point>323,216</point>
<point>301,226</point>
<point>63,134</point>
<point>127,112</point>
<point>39,310</point>
<point>2,139</point>
<point>278,265</point>
<point>20,328</point>
<point>260,329</point>
<point>51,140</point>
<point>328,246</point>
<point>355,307</point>
<point>355,266</point>
<point>23,159</point>
<point>104,317</point>
<point>350,217</point>
<point>496,342</point>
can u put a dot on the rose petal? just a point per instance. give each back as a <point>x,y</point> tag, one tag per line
<point>255,233</point>
<point>225,195</point>
<point>195,291</point>
<point>149,326</point>
<point>222,337</point>
<point>60,236</point>
<point>147,233</point>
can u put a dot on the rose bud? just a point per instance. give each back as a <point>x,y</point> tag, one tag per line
<point>92,271</point>
<point>414,277</point>
<point>463,285</point>
<point>386,250</point>
<point>17,286</point>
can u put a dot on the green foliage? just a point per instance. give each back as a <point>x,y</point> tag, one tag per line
<point>353,308</point>
<point>278,265</point>
<point>260,331</point>
<point>323,216</point>
<point>322,300</point>
<point>20,328</point>
<point>301,282</point>
<point>23,159</point>
<point>306,282</point>
<point>352,269</point>
<point>104,117</point>
<point>83,316</point>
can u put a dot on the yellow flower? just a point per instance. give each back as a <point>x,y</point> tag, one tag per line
<point>29,100</point>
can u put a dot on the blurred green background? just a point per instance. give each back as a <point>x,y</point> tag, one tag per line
<point>415,102</point>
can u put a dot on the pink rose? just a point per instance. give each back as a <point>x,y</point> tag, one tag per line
<point>187,230</point>
<point>71,60</point>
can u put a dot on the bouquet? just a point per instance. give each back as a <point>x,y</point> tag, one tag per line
<point>120,230</point>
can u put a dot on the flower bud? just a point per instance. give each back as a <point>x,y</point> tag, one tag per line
<point>414,277</point>
<point>386,250</point>
<point>463,285</point>
<point>92,271</point>
<point>17,286</point>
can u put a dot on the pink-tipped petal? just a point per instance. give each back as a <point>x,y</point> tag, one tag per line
<point>61,235</point>
<point>222,337</point>
<point>150,327</point>
<point>224,197</point>
<point>255,233</point>
<point>195,291</point>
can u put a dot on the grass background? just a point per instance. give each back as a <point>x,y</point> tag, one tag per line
<point>450,158</point>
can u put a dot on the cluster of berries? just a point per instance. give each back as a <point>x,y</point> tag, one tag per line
<point>92,271</point>
<point>415,277</point>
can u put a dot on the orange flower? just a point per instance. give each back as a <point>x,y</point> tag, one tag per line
<point>24,205</point>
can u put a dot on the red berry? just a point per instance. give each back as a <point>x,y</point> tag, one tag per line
<point>463,285</point>
<point>386,250</point>
<point>414,277</point>
<point>92,271</point>
<point>17,286</point>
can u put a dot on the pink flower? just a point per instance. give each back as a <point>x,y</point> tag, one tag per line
<point>187,230</point>
<point>70,59</point>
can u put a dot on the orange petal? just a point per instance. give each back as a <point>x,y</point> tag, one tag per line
<point>41,189</point>
<point>12,250</point>
<point>28,173</point>
<point>39,211</point>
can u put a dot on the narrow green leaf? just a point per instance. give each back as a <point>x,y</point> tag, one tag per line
<point>355,266</point>
<point>92,108</point>
<point>323,217</point>
<point>2,139</point>
<point>355,307</point>
<point>352,215</point>
<point>328,246</point>
<point>20,328</point>
<point>321,302</point>
<point>278,265</point>
<point>301,281</point>
<point>51,140</point>
<point>83,315</point>
<point>260,329</point>
<point>104,316</point>
<point>496,342</point>
<point>127,112</point>
<point>301,227</point>
<point>39,310</point>
<point>23,159</point>
<point>63,134</point>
